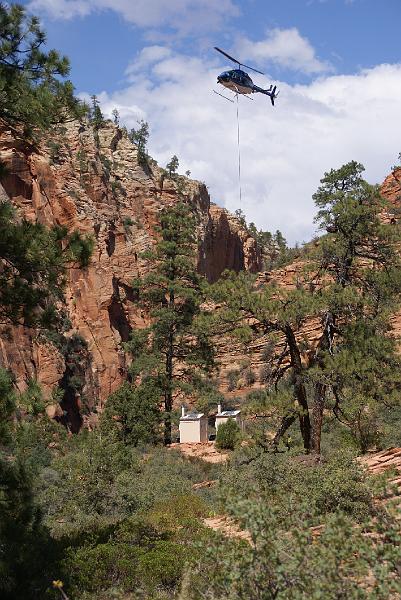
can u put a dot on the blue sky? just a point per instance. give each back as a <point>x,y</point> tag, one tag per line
<point>337,63</point>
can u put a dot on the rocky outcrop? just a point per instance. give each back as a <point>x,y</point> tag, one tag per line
<point>91,181</point>
<point>226,244</point>
<point>391,189</point>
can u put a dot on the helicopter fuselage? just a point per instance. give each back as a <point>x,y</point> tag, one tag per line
<point>237,81</point>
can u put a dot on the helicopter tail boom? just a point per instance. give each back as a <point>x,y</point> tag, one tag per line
<point>271,92</point>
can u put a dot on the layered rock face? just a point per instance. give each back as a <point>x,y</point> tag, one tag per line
<point>91,181</point>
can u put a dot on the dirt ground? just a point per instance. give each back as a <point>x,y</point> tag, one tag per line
<point>206,451</point>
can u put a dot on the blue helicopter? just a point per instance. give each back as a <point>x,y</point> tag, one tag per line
<point>239,82</point>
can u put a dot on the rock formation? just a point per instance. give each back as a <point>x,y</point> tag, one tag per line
<point>91,180</point>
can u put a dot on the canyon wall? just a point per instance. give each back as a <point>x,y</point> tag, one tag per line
<point>92,181</point>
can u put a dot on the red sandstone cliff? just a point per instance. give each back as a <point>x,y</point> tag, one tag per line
<point>93,183</point>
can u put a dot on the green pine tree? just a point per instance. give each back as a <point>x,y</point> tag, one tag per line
<point>97,117</point>
<point>33,268</point>
<point>33,90</point>
<point>172,167</point>
<point>351,285</point>
<point>174,350</point>
<point>140,137</point>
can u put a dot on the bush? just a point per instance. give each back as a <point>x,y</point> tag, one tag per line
<point>133,414</point>
<point>232,379</point>
<point>336,485</point>
<point>290,562</point>
<point>249,376</point>
<point>265,374</point>
<point>228,435</point>
<point>128,222</point>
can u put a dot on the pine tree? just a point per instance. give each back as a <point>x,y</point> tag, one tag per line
<point>351,285</point>
<point>174,351</point>
<point>97,117</point>
<point>32,90</point>
<point>172,167</point>
<point>140,137</point>
<point>33,264</point>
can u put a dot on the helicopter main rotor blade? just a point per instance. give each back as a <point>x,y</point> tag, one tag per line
<point>237,61</point>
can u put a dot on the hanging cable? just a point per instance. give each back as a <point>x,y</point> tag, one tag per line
<point>239,157</point>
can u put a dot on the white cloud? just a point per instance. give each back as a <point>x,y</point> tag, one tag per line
<point>183,16</point>
<point>284,47</point>
<point>62,9</point>
<point>285,150</point>
<point>147,57</point>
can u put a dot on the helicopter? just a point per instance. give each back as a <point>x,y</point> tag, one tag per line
<point>239,82</point>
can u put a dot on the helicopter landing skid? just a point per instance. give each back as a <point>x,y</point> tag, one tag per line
<point>236,94</point>
<point>225,97</point>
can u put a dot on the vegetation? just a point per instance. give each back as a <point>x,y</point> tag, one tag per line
<point>32,91</point>
<point>112,513</point>
<point>96,115</point>
<point>172,167</point>
<point>33,268</point>
<point>140,137</point>
<point>174,351</point>
<point>133,414</point>
<point>274,249</point>
<point>351,285</point>
<point>228,435</point>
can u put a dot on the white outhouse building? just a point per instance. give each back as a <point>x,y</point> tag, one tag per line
<point>223,416</point>
<point>193,427</point>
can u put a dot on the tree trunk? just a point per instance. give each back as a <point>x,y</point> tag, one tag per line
<point>299,387</point>
<point>325,344</point>
<point>317,416</point>
<point>168,394</point>
<point>167,424</point>
<point>285,424</point>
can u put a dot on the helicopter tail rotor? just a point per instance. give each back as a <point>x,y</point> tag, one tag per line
<point>272,93</point>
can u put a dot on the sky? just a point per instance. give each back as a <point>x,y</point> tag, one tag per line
<point>337,64</point>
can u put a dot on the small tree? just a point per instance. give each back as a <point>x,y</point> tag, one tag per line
<point>140,137</point>
<point>228,435</point>
<point>172,167</point>
<point>116,116</point>
<point>133,414</point>
<point>239,213</point>
<point>97,117</point>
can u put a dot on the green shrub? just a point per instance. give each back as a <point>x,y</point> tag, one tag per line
<point>336,485</point>
<point>289,562</point>
<point>249,376</point>
<point>128,222</point>
<point>228,435</point>
<point>97,568</point>
<point>232,379</point>
<point>162,565</point>
<point>178,511</point>
<point>81,248</point>
<point>133,414</point>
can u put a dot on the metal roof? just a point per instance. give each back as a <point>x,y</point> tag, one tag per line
<point>194,416</point>
<point>228,413</point>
